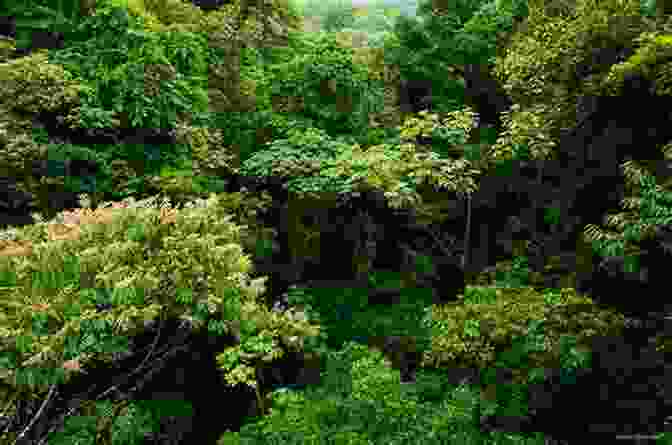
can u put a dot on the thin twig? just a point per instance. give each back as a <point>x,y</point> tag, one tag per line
<point>52,391</point>
<point>112,388</point>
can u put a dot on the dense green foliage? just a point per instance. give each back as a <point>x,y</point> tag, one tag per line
<point>309,125</point>
<point>53,279</point>
<point>113,55</point>
<point>425,47</point>
<point>337,93</point>
<point>349,315</point>
<point>42,15</point>
<point>362,402</point>
<point>120,68</point>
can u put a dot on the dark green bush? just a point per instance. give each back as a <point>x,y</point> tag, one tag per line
<point>144,78</point>
<point>346,314</point>
<point>466,32</point>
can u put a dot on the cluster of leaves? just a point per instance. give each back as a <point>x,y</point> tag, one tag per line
<point>279,113</point>
<point>42,15</point>
<point>347,314</point>
<point>361,401</point>
<point>377,21</point>
<point>476,331</point>
<point>109,51</point>
<point>336,15</point>
<point>129,422</point>
<point>540,70</point>
<point>297,157</point>
<point>127,76</point>
<point>31,84</point>
<point>161,14</point>
<point>447,135</point>
<point>649,208</point>
<point>504,328</point>
<point>117,172</point>
<point>125,422</point>
<point>650,59</point>
<point>525,135</point>
<point>319,72</point>
<point>361,395</point>
<point>511,397</point>
<point>323,63</point>
<point>540,66</point>
<point>517,276</point>
<point>179,182</point>
<point>425,47</point>
<point>400,171</point>
<point>337,93</point>
<point>319,165</point>
<point>50,317</point>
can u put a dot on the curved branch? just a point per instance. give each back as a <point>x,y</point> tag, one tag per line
<point>52,391</point>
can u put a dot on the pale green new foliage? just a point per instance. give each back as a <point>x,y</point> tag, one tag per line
<point>32,84</point>
<point>127,257</point>
<point>374,380</point>
<point>133,255</point>
<point>118,252</point>
<point>650,59</point>
<point>475,331</point>
<point>317,164</point>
